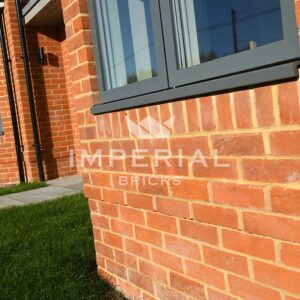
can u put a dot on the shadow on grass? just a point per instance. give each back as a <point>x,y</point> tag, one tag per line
<point>47,252</point>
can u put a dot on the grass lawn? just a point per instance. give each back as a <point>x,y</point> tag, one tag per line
<point>21,188</point>
<point>47,252</point>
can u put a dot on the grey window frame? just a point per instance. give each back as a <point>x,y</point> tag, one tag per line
<point>264,64</point>
<point>160,82</point>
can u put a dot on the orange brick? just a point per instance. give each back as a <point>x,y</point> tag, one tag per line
<point>148,236</point>
<point>121,227</point>
<point>141,281</point>
<point>288,103</point>
<point>205,274</point>
<point>238,195</point>
<point>248,244</point>
<point>189,145</point>
<point>285,142</point>
<point>216,215</point>
<point>190,189</point>
<point>167,260</point>
<point>137,248</point>
<point>239,144</point>
<point>132,215</point>
<point>277,277</point>
<point>199,232</point>
<point>286,201</point>
<point>113,196</point>
<point>187,286</point>
<point>264,106</point>
<point>225,260</point>
<point>182,247</point>
<point>272,226</point>
<point>173,207</point>
<point>161,222</point>
<point>278,171</point>
<point>290,254</point>
<point>243,109</point>
<point>154,272</point>
<point>214,295</point>
<point>224,111</point>
<point>140,201</point>
<point>208,122</point>
<point>251,291</point>
<point>112,240</point>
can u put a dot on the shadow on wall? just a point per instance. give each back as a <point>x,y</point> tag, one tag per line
<point>50,93</point>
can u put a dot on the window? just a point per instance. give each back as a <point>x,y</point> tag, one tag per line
<point>150,51</point>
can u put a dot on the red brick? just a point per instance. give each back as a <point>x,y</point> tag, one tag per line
<point>113,196</point>
<point>161,222</point>
<point>154,187</point>
<point>288,103</point>
<point>116,269</point>
<point>104,250</point>
<point>100,221</point>
<point>125,259</point>
<point>189,145</point>
<point>277,171</point>
<point>205,274</point>
<point>148,236</point>
<point>215,168</point>
<point>290,254</point>
<point>141,281</point>
<point>216,215</point>
<point>264,106</point>
<point>187,286</point>
<point>167,260</point>
<point>140,201</point>
<point>193,119</point>
<point>248,244</point>
<point>154,272</point>
<point>251,291</point>
<point>224,111</point>
<point>137,248</point>
<point>199,232</point>
<point>179,124</point>
<point>172,167</point>
<point>242,105</point>
<point>208,122</point>
<point>108,209</point>
<point>272,226</point>
<point>173,207</point>
<point>277,277</point>
<point>239,144</point>
<point>285,142</point>
<point>100,179</point>
<point>286,201</point>
<point>190,189</point>
<point>182,247</point>
<point>225,260</point>
<point>121,228</point>
<point>132,215</point>
<point>214,295</point>
<point>112,240</point>
<point>238,195</point>
<point>164,293</point>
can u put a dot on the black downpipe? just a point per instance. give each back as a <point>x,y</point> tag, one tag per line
<point>30,91</point>
<point>11,100</point>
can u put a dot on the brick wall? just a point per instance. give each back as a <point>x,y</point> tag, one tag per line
<point>8,161</point>
<point>227,233</point>
<point>56,112</point>
<point>233,231</point>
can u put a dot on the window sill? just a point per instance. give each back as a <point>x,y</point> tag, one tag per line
<point>262,76</point>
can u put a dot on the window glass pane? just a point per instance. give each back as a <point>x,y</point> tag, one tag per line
<point>127,42</point>
<point>210,29</point>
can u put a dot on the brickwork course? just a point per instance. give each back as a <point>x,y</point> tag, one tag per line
<point>227,233</point>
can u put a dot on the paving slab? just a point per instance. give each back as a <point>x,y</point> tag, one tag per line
<point>57,188</point>
<point>8,202</point>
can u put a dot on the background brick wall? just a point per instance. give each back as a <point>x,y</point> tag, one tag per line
<point>56,112</point>
<point>231,233</point>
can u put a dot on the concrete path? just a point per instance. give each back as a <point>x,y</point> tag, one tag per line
<point>57,188</point>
